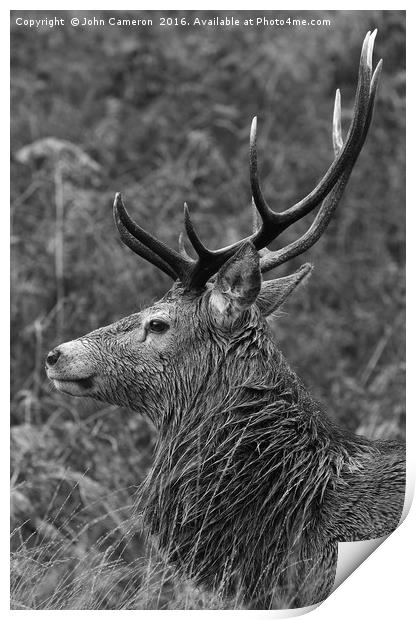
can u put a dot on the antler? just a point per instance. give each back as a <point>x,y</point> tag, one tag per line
<point>194,273</point>
<point>329,204</point>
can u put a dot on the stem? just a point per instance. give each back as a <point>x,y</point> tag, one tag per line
<point>59,247</point>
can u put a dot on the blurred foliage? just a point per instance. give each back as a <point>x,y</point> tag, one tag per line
<point>163,114</point>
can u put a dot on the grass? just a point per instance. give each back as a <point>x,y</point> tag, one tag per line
<point>57,566</point>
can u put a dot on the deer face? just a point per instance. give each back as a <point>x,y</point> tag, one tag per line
<point>161,355</point>
<point>133,361</point>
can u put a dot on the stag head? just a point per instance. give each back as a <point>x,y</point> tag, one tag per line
<point>163,354</point>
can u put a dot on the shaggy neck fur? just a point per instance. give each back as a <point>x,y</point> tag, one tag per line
<point>241,472</point>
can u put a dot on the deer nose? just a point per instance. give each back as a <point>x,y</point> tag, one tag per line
<point>53,357</point>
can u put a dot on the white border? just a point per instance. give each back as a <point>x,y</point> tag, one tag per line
<point>383,586</point>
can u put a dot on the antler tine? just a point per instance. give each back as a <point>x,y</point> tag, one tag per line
<point>178,265</point>
<point>337,141</point>
<point>327,209</point>
<point>256,226</point>
<point>140,249</point>
<point>197,244</point>
<point>259,201</point>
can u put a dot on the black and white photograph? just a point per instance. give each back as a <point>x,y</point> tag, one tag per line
<point>207,304</point>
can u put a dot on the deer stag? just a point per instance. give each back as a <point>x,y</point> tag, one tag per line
<point>252,485</point>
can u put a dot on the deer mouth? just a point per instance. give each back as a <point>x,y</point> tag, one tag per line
<point>73,386</point>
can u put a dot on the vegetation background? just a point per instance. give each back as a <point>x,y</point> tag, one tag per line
<point>163,115</point>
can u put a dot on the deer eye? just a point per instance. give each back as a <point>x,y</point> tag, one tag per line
<point>158,327</point>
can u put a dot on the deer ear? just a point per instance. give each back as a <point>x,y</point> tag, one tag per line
<point>274,292</point>
<point>237,284</point>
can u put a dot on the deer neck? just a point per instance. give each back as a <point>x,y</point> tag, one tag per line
<point>249,450</point>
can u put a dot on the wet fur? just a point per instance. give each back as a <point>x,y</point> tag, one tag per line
<point>253,486</point>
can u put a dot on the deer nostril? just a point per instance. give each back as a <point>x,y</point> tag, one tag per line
<point>53,357</point>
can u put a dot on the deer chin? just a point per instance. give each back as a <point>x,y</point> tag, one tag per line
<point>82,386</point>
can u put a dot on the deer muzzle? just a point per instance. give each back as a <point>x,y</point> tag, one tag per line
<point>71,369</point>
